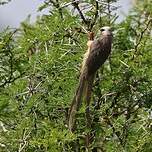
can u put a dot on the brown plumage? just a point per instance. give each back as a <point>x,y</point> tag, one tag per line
<point>97,53</point>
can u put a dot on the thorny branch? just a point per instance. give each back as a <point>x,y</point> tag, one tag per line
<point>109,11</point>
<point>56,5</point>
<point>142,34</point>
<point>76,5</point>
<point>23,141</point>
<point>9,38</point>
<point>59,8</point>
<point>10,78</point>
<point>95,16</point>
<point>108,121</point>
<point>87,22</point>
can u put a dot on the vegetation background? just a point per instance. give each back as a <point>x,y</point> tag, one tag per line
<point>39,71</point>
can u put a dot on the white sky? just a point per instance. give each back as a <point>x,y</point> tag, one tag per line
<point>17,11</point>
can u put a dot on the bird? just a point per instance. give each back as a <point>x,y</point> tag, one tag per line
<point>95,56</point>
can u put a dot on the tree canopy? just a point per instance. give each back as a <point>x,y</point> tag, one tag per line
<point>39,72</point>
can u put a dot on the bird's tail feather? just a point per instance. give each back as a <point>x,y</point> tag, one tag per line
<point>87,96</point>
<point>83,90</point>
<point>77,100</point>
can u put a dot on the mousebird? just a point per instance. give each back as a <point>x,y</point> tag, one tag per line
<point>97,53</point>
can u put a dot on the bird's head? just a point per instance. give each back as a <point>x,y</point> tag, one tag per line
<point>106,31</point>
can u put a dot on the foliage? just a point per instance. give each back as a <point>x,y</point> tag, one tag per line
<point>40,67</point>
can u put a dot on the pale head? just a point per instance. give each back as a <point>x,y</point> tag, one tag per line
<point>106,31</point>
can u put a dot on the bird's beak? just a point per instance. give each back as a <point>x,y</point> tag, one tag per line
<point>109,33</point>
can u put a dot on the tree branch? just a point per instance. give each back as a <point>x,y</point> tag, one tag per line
<point>142,34</point>
<point>56,5</point>
<point>95,16</point>
<point>76,5</point>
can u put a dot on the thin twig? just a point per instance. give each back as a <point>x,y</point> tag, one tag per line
<point>59,8</point>
<point>109,11</point>
<point>124,63</point>
<point>142,34</point>
<point>56,5</point>
<point>67,4</point>
<point>114,130</point>
<point>95,16</point>
<point>76,5</point>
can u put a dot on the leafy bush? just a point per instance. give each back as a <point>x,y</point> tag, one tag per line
<point>40,66</point>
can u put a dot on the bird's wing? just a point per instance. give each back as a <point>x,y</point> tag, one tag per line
<point>95,57</point>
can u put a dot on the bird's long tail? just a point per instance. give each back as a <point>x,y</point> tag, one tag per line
<point>76,102</point>
<point>87,96</point>
<point>83,90</point>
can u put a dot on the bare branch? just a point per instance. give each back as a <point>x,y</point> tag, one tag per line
<point>76,5</point>
<point>95,16</point>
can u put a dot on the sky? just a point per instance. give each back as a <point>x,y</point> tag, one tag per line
<point>16,11</point>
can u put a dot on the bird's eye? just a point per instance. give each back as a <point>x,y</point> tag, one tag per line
<point>102,30</point>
